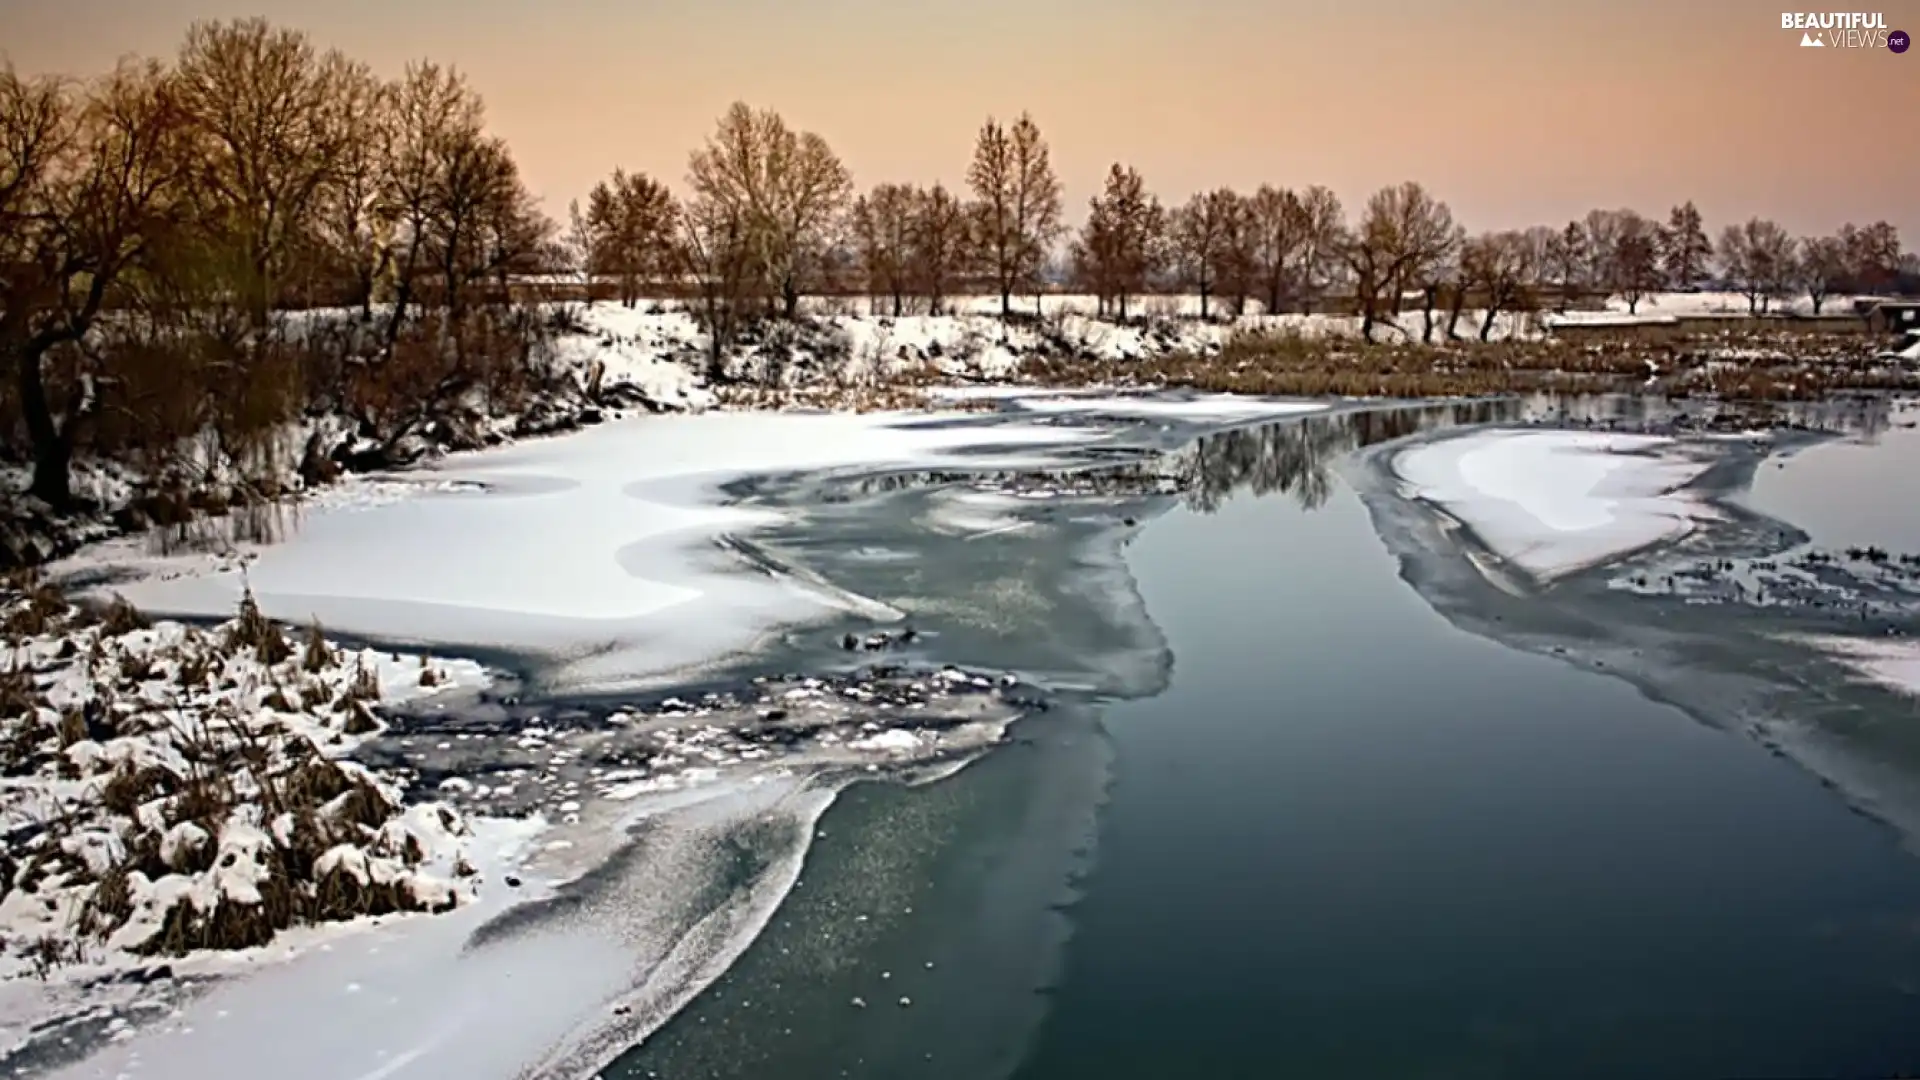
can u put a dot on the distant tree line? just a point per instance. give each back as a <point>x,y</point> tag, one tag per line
<point>153,220</point>
<point>785,214</point>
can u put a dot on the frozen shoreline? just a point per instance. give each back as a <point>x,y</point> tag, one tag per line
<point>598,550</point>
<point>1827,632</point>
<point>633,507</point>
<point>1552,502</point>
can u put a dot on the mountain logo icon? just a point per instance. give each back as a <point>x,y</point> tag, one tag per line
<point>1808,41</point>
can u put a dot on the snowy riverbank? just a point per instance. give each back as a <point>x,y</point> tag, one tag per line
<point>611,558</point>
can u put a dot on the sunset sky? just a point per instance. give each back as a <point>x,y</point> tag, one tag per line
<point>1515,112</point>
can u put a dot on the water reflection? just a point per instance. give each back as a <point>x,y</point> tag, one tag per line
<point>1296,457</point>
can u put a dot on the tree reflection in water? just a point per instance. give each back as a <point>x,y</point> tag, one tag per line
<point>1296,457</point>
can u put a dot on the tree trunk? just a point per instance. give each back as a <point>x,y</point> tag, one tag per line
<point>716,343</point>
<point>1431,296</point>
<point>1203,303</point>
<point>1493,312</point>
<point>1818,299</point>
<point>52,450</point>
<point>1633,303</point>
<point>1006,300</point>
<point>1455,306</point>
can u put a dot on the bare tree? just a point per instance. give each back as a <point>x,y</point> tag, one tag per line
<point>1119,246</point>
<point>1437,272</point>
<point>1323,230</point>
<point>716,252</point>
<point>881,223</point>
<point>1503,266</point>
<point>1566,261</point>
<point>1278,222</point>
<point>1636,269</point>
<point>580,245</point>
<point>1822,268</point>
<point>1873,253</point>
<point>1600,237</point>
<point>1757,257</point>
<point>631,217</point>
<point>88,186</point>
<point>349,222</point>
<point>1238,253</point>
<point>434,111</point>
<point>787,188</point>
<point>481,217</point>
<point>273,120</point>
<point>1687,252</point>
<point>938,244</point>
<point>1016,208</point>
<point>1403,227</point>
<point>1197,235</point>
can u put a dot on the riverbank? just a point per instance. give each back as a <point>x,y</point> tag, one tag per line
<point>715,767</point>
<point>673,830</point>
<point>588,364</point>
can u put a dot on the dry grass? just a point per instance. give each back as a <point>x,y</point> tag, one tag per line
<point>1804,366</point>
<point>217,782</point>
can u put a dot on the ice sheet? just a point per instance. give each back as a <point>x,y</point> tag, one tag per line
<point>1553,502</point>
<point>591,548</point>
<point>1894,664</point>
<point>1202,407</point>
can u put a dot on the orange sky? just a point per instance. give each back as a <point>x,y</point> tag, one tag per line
<point>1514,112</point>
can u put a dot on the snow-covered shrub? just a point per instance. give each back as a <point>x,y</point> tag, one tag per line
<point>165,789</point>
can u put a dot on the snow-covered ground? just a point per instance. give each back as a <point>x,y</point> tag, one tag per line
<point>1893,663</point>
<point>180,794</point>
<point>1554,502</point>
<point>654,346</point>
<point>1677,304</point>
<point>599,546</point>
<point>599,550</point>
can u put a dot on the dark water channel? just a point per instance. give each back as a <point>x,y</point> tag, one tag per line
<point>1288,820</point>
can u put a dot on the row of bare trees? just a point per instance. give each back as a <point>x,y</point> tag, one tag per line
<point>785,198</point>
<point>151,221</point>
<point>154,219</point>
<point>1287,249</point>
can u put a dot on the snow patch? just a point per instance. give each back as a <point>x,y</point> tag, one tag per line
<point>592,547</point>
<point>1894,663</point>
<point>1555,502</point>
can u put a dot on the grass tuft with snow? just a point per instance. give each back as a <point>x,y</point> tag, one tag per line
<point>166,789</point>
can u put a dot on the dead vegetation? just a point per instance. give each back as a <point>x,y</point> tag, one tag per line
<point>1750,365</point>
<point>165,789</point>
